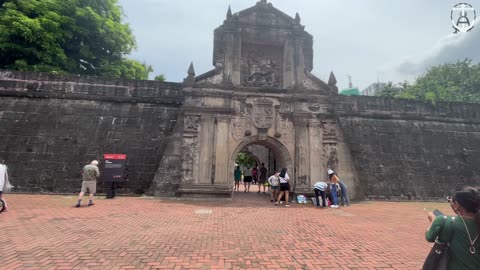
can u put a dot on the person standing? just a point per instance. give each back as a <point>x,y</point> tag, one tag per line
<point>3,182</point>
<point>334,180</point>
<point>343,193</point>
<point>237,176</point>
<point>284,187</point>
<point>262,179</point>
<point>460,231</point>
<point>255,175</point>
<point>320,188</point>
<point>274,181</point>
<point>90,174</point>
<point>247,179</point>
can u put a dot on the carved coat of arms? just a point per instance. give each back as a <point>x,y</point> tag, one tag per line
<point>263,113</point>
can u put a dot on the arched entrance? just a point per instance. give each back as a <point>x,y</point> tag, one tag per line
<point>283,158</point>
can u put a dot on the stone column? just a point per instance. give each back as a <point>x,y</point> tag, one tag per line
<point>289,65</point>
<point>302,154</point>
<point>237,58</point>
<point>222,157</point>
<point>299,61</point>
<point>229,63</point>
<point>206,144</point>
<point>315,153</point>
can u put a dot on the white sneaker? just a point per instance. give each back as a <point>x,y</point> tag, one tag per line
<point>334,206</point>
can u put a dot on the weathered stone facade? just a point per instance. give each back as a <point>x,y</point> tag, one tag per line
<point>182,138</point>
<point>51,126</point>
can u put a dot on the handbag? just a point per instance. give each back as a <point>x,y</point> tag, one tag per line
<point>7,187</point>
<point>438,257</point>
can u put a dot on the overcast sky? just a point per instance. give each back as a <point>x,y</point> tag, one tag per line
<point>388,40</point>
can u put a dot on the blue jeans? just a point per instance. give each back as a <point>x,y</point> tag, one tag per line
<point>334,195</point>
<point>344,193</point>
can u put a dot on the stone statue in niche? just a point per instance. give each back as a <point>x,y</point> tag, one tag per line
<point>191,122</point>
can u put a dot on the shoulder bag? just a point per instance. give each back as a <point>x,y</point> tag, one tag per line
<point>438,257</point>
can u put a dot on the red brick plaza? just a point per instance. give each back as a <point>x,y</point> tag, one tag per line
<point>47,232</point>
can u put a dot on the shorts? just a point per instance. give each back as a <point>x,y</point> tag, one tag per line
<point>274,187</point>
<point>284,187</point>
<point>237,180</point>
<point>262,181</point>
<point>247,179</point>
<point>91,186</point>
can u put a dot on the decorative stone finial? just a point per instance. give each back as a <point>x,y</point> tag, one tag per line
<point>190,79</point>
<point>297,18</point>
<point>332,80</point>
<point>191,70</point>
<point>229,12</point>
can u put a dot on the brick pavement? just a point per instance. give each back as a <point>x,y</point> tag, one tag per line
<point>46,232</point>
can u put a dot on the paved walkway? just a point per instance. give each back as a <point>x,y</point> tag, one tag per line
<point>46,232</point>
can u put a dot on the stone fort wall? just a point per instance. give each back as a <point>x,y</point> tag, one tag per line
<point>51,126</point>
<point>405,149</point>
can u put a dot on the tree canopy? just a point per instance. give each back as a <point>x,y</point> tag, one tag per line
<point>245,160</point>
<point>459,81</point>
<point>85,37</point>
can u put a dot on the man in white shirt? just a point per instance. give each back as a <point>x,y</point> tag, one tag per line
<point>3,181</point>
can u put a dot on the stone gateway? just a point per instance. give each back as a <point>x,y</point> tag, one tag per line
<point>182,139</point>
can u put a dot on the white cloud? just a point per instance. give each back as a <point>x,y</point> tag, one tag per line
<point>450,48</point>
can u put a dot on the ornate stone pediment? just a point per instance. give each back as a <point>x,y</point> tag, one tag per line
<point>264,14</point>
<point>263,113</point>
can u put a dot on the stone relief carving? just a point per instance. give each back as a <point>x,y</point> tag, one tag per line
<point>263,113</point>
<point>288,132</point>
<point>191,122</point>
<point>310,84</point>
<point>329,130</point>
<point>189,149</point>
<point>285,108</point>
<point>317,107</point>
<point>247,121</point>
<point>261,66</point>
<point>237,128</point>
<point>329,154</point>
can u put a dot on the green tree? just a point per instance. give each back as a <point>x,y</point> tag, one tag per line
<point>392,90</point>
<point>160,77</point>
<point>246,160</point>
<point>459,81</point>
<point>68,36</point>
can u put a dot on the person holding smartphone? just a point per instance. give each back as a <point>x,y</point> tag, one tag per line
<point>464,229</point>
